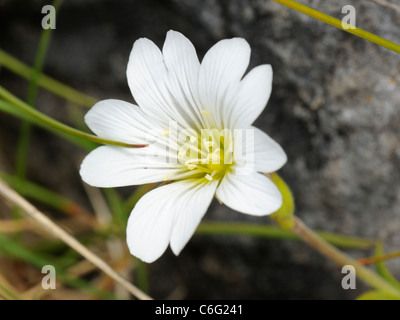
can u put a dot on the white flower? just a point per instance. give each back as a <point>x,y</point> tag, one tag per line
<point>189,114</point>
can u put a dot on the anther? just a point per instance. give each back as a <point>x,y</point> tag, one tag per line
<point>208,143</point>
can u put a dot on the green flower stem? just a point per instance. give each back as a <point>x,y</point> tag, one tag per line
<point>365,274</point>
<point>54,86</point>
<point>338,24</point>
<point>22,106</point>
<point>272,232</point>
<point>12,110</point>
<point>285,215</point>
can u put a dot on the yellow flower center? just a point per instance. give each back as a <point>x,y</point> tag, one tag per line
<point>205,155</point>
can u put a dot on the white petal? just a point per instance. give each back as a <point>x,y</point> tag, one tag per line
<point>250,99</point>
<point>148,79</point>
<point>152,221</point>
<point>109,166</point>
<point>189,213</point>
<point>222,67</point>
<point>268,154</point>
<point>254,150</point>
<point>183,65</point>
<point>253,194</point>
<point>121,121</point>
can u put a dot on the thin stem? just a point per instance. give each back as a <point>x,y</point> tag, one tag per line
<point>59,233</point>
<point>265,231</point>
<point>6,95</point>
<point>342,259</point>
<point>338,24</point>
<point>54,86</point>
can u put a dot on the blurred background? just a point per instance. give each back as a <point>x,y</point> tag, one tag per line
<point>335,109</point>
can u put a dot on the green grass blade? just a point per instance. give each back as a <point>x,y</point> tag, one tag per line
<point>54,86</point>
<point>39,193</point>
<point>142,275</point>
<point>23,143</point>
<point>56,125</point>
<point>11,109</point>
<point>15,249</point>
<point>120,216</point>
<point>338,24</point>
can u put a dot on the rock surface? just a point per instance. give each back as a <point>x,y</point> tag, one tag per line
<point>335,109</point>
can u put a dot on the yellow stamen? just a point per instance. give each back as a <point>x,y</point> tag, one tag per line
<point>208,143</point>
<point>213,157</point>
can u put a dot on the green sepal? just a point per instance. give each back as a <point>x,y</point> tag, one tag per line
<point>285,215</point>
